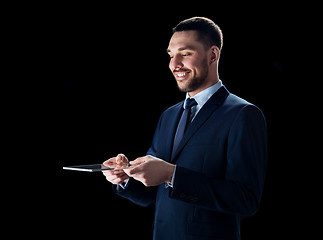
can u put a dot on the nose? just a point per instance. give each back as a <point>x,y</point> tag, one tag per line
<point>175,63</point>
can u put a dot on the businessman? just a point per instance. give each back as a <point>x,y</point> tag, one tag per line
<point>207,161</point>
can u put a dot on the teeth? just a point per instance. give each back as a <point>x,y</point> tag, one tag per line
<point>181,74</point>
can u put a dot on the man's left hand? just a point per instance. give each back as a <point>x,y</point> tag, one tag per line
<point>151,171</point>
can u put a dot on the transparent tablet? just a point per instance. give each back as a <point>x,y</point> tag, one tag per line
<point>89,168</point>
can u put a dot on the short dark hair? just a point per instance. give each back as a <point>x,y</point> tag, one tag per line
<point>209,33</point>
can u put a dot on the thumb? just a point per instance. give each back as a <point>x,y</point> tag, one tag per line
<point>132,170</point>
<point>121,158</point>
<point>127,171</point>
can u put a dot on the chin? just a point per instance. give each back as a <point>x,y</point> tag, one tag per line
<point>183,87</point>
<point>188,86</point>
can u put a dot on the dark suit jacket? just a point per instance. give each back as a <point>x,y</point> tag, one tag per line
<point>221,165</point>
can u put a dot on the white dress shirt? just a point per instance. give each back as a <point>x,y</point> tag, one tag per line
<point>202,97</point>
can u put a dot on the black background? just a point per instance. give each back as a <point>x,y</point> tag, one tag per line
<point>111,66</point>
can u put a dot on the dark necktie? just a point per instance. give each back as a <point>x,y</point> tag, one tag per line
<point>183,124</point>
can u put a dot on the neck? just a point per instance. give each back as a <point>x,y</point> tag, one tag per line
<point>206,85</point>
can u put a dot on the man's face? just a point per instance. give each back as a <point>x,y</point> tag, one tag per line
<point>188,61</point>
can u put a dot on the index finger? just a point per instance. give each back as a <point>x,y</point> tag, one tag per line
<point>137,161</point>
<point>112,172</point>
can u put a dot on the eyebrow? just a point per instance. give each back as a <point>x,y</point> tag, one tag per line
<point>182,49</point>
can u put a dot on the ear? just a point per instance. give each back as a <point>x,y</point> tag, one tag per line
<point>214,54</point>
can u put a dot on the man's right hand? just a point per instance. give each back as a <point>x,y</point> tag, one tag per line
<point>116,176</point>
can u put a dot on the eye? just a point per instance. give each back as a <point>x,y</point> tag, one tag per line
<point>186,54</point>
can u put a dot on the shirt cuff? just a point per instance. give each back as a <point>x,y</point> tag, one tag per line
<point>171,184</point>
<point>123,185</point>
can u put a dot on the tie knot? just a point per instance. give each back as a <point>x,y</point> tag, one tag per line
<point>190,102</point>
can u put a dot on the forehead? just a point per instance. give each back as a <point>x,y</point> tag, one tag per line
<point>184,39</point>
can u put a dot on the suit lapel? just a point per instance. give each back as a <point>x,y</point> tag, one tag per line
<point>210,106</point>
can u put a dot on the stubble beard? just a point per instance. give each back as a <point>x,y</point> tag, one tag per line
<point>196,82</point>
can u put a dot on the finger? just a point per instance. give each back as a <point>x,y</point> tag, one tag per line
<point>121,158</point>
<point>109,161</point>
<point>112,172</point>
<point>138,161</point>
<point>120,174</point>
<point>134,170</point>
<point>117,176</point>
<point>117,179</point>
<point>121,178</point>
<point>127,171</point>
<point>131,171</point>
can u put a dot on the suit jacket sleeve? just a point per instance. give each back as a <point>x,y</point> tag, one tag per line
<point>137,193</point>
<point>240,190</point>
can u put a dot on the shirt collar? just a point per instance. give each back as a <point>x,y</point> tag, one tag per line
<point>202,97</point>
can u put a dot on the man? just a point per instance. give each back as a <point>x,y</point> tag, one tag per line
<point>203,181</point>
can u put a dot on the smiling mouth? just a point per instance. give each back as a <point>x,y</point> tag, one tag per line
<point>181,75</point>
